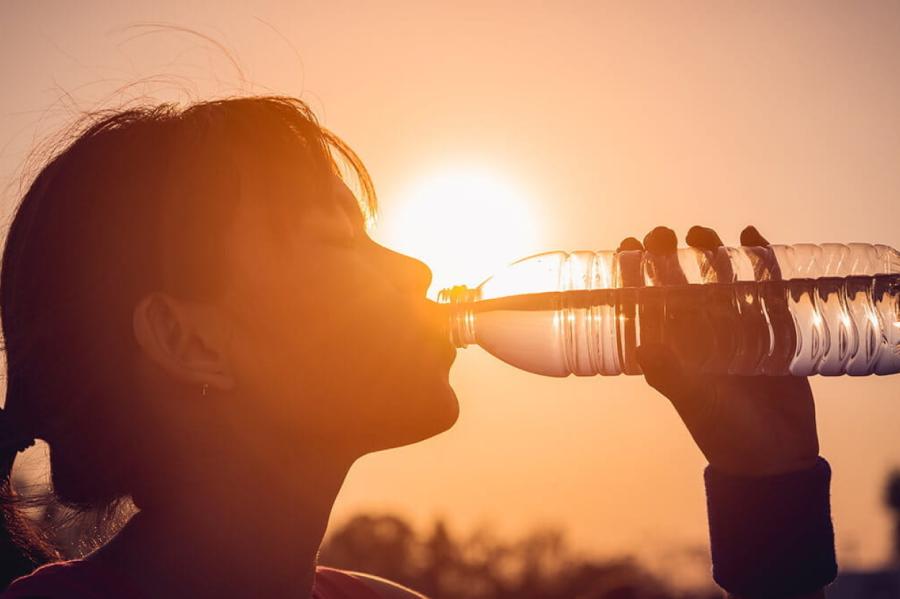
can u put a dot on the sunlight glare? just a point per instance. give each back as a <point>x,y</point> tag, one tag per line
<point>464,223</point>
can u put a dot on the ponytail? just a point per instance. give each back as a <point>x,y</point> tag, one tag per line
<point>20,549</point>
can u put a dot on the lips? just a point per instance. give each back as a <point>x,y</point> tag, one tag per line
<point>451,353</point>
<point>441,344</point>
<point>431,334</point>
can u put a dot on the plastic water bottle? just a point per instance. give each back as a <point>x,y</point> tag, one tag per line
<point>802,309</point>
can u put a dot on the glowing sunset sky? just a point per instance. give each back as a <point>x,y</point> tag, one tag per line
<point>590,121</point>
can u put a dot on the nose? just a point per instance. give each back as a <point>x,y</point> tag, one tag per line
<point>407,273</point>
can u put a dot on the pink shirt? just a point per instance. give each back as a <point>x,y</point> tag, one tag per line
<point>79,579</point>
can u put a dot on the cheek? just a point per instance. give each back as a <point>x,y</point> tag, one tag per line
<point>359,383</point>
<point>300,342</point>
<point>343,357</point>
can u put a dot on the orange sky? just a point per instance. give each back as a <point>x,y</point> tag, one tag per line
<point>608,118</point>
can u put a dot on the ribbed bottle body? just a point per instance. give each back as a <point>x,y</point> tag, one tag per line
<point>826,309</point>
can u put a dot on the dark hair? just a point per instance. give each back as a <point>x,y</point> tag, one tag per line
<point>139,201</point>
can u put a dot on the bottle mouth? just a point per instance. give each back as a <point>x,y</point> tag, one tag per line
<point>461,317</point>
<point>458,294</point>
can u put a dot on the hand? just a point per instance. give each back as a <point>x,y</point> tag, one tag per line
<point>744,425</point>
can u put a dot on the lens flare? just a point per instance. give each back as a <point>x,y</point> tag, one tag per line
<point>464,223</point>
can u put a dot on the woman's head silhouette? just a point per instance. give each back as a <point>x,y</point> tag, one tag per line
<point>189,287</point>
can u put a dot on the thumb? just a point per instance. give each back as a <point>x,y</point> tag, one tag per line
<point>663,370</point>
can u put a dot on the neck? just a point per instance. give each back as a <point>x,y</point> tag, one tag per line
<point>236,532</point>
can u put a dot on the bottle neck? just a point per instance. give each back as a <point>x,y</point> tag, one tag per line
<point>461,320</point>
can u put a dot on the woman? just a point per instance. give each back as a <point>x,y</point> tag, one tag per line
<point>196,322</point>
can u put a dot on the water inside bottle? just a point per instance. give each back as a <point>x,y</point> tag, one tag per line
<point>830,325</point>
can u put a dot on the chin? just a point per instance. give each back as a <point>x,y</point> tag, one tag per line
<point>430,414</point>
<point>449,412</point>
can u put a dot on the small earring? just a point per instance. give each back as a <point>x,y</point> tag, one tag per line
<point>205,389</point>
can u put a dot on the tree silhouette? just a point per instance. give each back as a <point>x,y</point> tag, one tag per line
<point>439,564</point>
<point>383,545</point>
<point>892,500</point>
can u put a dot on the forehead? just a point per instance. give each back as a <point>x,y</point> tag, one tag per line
<point>288,196</point>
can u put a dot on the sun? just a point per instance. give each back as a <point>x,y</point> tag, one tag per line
<point>464,223</point>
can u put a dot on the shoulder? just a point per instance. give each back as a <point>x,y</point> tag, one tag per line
<point>75,579</point>
<point>387,589</point>
<point>353,584</point>
<point>61,579</point>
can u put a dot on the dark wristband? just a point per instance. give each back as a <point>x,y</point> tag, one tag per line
<point>771,537</point>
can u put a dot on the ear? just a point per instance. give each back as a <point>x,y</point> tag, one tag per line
<point>183,339</point>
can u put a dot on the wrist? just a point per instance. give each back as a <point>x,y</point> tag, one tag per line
<point>771,536</point>
<point>764,467</point>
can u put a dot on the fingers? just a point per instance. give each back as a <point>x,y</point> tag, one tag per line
<point>703,238</point>
<point>750,236</point>
<point>661,240</point>
<point>765,265</point>
<point>629,244</point>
